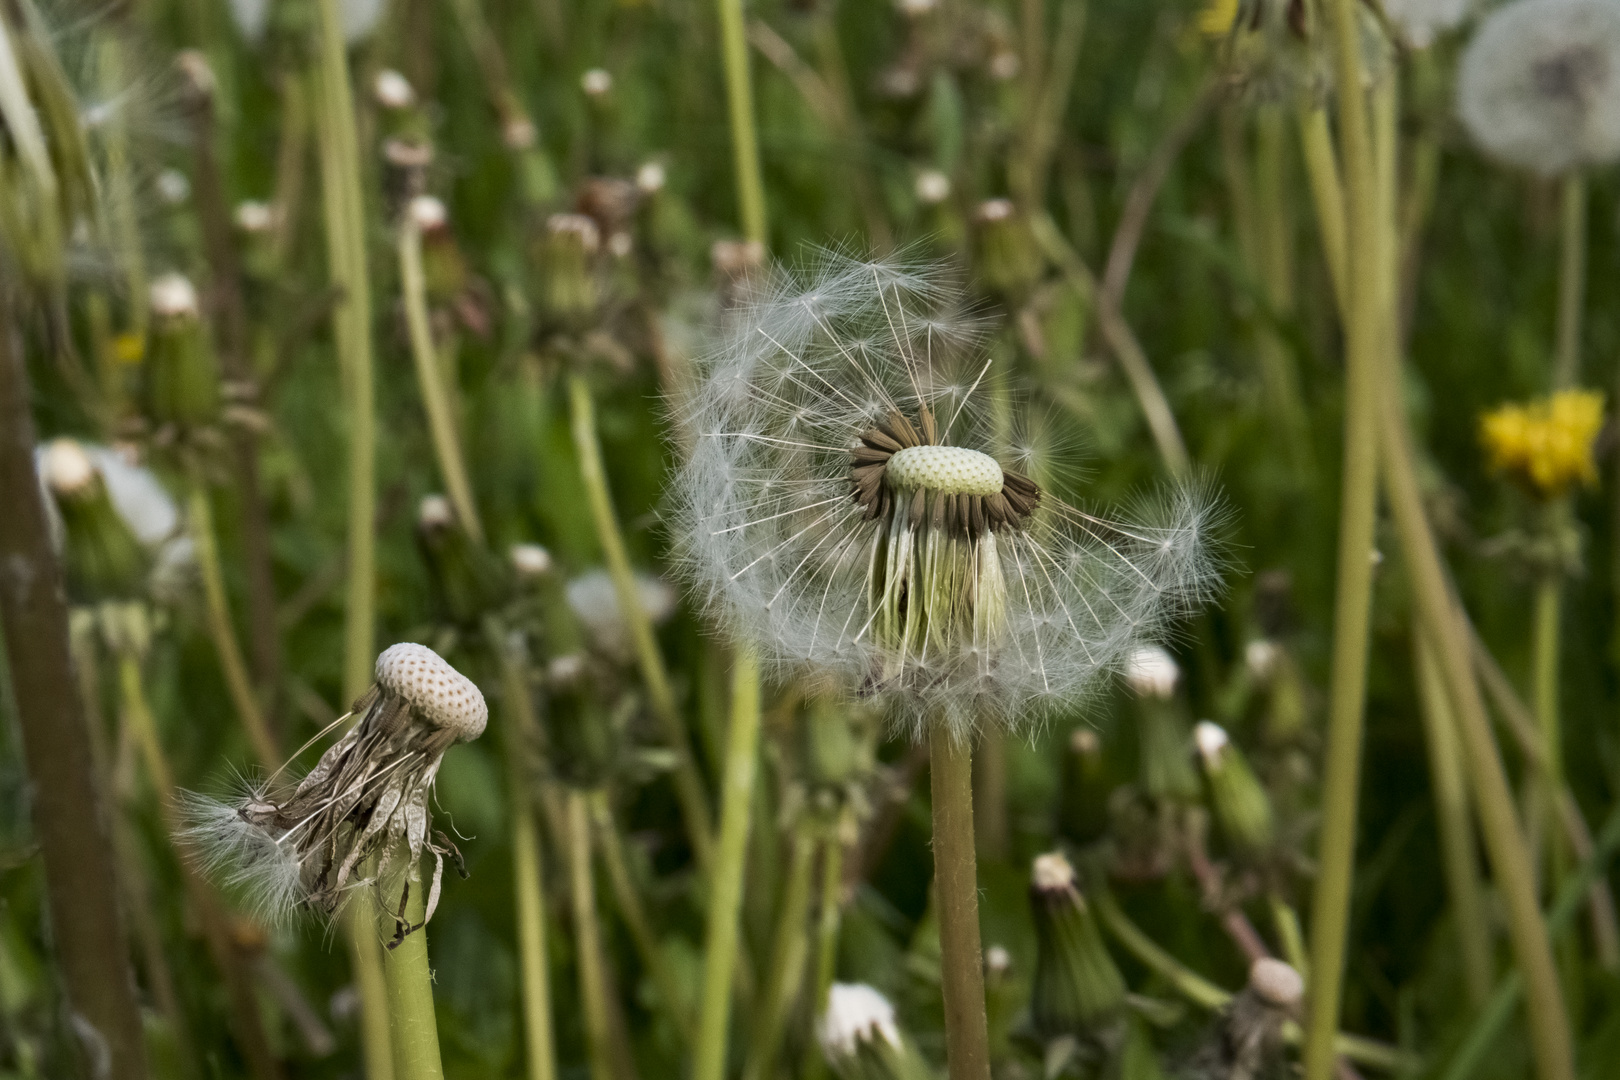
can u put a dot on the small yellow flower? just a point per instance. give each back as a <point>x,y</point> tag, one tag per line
<point>128,348</point>
<point>1217,17</point>
<point>1545,445</point>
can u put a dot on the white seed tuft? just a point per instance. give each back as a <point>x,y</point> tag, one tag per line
<point>1211,740</point>
<point>67,468</point>
<point>393,90</point>
<point>650,178</point>
<point>173,296</point>
<point>1052,872</point>
<point>1152,672</point>
<point>856,1014</point>
<point>254,216</point>
<point>530,561</point>
<point>949,470</point>
<point>933,187</point>
<point>428,213</point>
<point>443,696</point>
<point>597,82</point>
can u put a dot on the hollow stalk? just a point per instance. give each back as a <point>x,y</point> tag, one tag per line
<point>827,923</point>
<point>589,959</point>
<point>413,1029</point>
<point>1364,331</point>
<point>740,104</point>
<point>790,945</point>
<point>726,876</point>
<point>689,791</point>
<point>967,1033</point>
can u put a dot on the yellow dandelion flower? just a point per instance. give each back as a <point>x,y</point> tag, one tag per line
<point>128,348</point>
<point>1217,17</point>
<point>1545,445</point>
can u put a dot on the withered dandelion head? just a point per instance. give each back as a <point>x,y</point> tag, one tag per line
<point>842,510</point>
<point>1545,446</point>
<point>312,846</point>
<point>1539,85</point>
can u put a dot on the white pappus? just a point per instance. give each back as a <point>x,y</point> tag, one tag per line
<point>307,845</point>
<point>843,510</point>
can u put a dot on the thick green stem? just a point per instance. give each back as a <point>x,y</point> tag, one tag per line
<point>726,878</point>
<point>628,900</point>
<point>1571,280</point>
<point>519,734</point>
<point>788,951</point>
<point>1450,784</point>
<point>237,681</point>
<point>589,959</point>
<point>1366,338</point>
<point>689,789</point>
<point>413,1028</point>
<point>1444,622</point>
<point>430,381</point>
<point>740,102</point>
<point>967,1034</point>
<point>346,263</point>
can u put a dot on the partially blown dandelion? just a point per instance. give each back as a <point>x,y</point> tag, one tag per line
<point>367,796</point>
<point>840,509</point>
<point>1539,85</point>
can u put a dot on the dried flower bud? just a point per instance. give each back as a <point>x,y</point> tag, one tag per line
<point>435,512</point>
<point>67,469</point>
<point>529,561</point>
<point>1260,659</point>
<point>428,213</point>
<point>1077,985</point>
<point>368,795</point>
<point>997,962</point>
<point>468,581</point>
<point>197,74</point>
<point>393,90</point>
<point>254,217</point>
<point>104,559</point>
<point>933,187</point>
<point>1242,807</point>
<point>1247,1038</point>
<point>1084,791</point>
<point>1276,983</point>
<point>518,132</point>
<point>569,292</point>
<point>1004,65</point>
<point>182,377</point>
<point>403,153</point>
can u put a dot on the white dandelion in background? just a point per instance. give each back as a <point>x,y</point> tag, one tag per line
<point>843,509</point>
<point>1539,85</point>
<point>308,845</point>
<point>1421,21</point>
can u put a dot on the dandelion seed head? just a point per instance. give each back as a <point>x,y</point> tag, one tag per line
<point>1539,84</point>
<point>856,1013</point>
<point>594,600</point>
<point>845,507</point>
<point>444,696</point>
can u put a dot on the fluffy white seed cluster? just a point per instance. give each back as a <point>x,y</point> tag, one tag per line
<point>440,694</point>
<point>781,552</point>
<point>1539,85</point>
<point>949,470</point>
<point>594,600</point>
<point>856,1014</point>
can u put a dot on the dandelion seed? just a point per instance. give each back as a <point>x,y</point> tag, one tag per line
<point>840,510</point>
<point>1539,85</point>
<point>368,796</point>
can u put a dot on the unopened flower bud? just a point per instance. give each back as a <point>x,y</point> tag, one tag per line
<point>104,560</point>
<point>393,90</point>
<point>182,377</point>
<point>861,1039</point>
<point>1077,985</point>
<point>468,581</point>
<point>1085,787</point>
<point>173,296</point>
<point>1242,807</point>
<point>1276,983</point>
<point>569,292</point>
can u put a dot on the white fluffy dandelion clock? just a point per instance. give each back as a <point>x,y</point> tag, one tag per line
<point>309,847</point>
<point>843,508</point>
<point>1539,85</point>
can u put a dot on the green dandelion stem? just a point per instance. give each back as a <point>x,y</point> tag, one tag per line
<point>1571,279</point>
<point>744,139</point>
<point>827,925</point>
<point>413,1028</point>
<point>726,877</point>
<point>231,662</point>
<point>589,959</point>
<point>436,400</point>
<point>366,964</point>
<point>789,948</point>
<point>967,1035</point>
<point>1456,826</point>
<point>627,899</point>
<point>689,790</point>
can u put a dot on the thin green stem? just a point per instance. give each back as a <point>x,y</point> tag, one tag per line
<point>1457,850</point>
<point>1544,651</point>
<point>588,956</point>
<point>967,1033</point>
<point>1571,280</point>
<point>346,262</point>
<point>430,381</point>
<point>827,923</point>
<point>1366,338</point>
<point>788,952</point>
<point>1285,920</point>
<point>366,963</point>
<point>1327,193</point>
<point>726,879</point>
<point>413,1028</point>
<point>519,734</point>
<point>1489,1020</point>
<point>238,683</point>
<point>740,102</point>
<point>689,790</point>
<point>628,900</point>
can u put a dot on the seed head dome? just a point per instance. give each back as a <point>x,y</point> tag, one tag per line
<point>1539,85</point>
<point>443,696</point>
